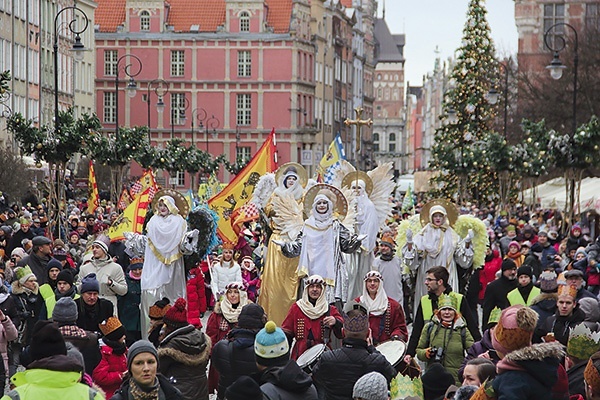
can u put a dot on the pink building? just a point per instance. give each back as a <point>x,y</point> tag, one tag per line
<point>234,71</point>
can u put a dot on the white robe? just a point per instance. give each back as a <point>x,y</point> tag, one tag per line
<point>391,271</point>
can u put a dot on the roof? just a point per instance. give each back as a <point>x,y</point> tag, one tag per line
<point>183,14</point>
<point>388,46</point>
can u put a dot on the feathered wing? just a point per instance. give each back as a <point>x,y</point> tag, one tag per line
<point>344,169</point>
<point>383,187</point>
<point>264,189</point>
<point>414,223</point>
<point>480,241</point>
<point>288,215</point>
<point>350,219</point>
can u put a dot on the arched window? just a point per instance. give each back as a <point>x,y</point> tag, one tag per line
<point>392,142</point>
<point>244,22</point>
<point>375,142</point>
<point>145,21</point>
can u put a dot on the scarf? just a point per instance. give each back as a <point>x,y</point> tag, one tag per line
<point>133,277</point>
<point>386,257</point>
<point>313,311</point>
<point>231,312</point>
<point>139,393</point>
<point>378,305</point>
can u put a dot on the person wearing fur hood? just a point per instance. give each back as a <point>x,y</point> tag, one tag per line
<point>183,353</point>
<point>25,291</point>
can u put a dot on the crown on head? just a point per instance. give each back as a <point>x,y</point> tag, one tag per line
<point>567,290</point>
<point>446,301</point>
<point>583,342</point>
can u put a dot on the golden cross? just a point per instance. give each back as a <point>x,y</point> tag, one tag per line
<point>359,123</point>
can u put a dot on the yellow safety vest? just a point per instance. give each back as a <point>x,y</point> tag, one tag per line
<point>514,297</point>
<point>427,306</point>
<point>46,291</point>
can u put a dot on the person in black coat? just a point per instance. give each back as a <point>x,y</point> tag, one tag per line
<point>233,356</point>
<point>496,291</point>
<point>41,253</point>
<point>567,316</point>
<point>24,233</point>
<point>337,371</point>
<point>129,304</point>
<point>91,309</point>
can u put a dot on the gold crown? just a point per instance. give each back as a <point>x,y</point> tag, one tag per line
<point>446,301</point>
<point>110,325</point>
<point>583,342</point>
<point>228,246</point>
<point>567,290</point>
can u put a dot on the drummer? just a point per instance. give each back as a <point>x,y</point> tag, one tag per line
<point>311,320</point>
<point>386,317</point>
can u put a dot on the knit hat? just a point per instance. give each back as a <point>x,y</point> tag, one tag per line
<point>371,386</point>
<point>65,310</point>
<point>548,282</point>
<point>53,263</point>
<point>244,388</point>
<point>159,308</point>
<point>18,251</point>
<point>527,244</point>
<point>581,250</point>
<point>74,354</point>
<point>74,233</point>
<point>103,242</point>
<point>510,228</point>
<point>525,270</point>
<point>271,347</point>
<point>90,284</point>
<point>516,244</point>
<point>59,253</point>
<point>46,341</point>
<point>176,316</point>
<point>436,380</point>
<point>138,347</point>
<point>112,329</point>
<point>22,274</point>
<point>507,264</point>
<point>65,276</point>
<point>251,317</point>
<point>515,329</point>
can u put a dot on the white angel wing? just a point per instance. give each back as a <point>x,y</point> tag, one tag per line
<point>340,172</point>
<point>350,220</point>
<point>383,187</point>
<point>288,215</point>
<point>480,241</point>
<point>264,189</point>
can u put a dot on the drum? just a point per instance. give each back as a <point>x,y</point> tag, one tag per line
<point>393,351</point>
<point>309,358</point>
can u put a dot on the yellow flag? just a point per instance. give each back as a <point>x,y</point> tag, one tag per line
<point>239,191</point>
<point>132,219</point>
<point>93,198</point>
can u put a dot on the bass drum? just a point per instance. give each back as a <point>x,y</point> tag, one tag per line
<point>309,358</point>
<point>393,351</point>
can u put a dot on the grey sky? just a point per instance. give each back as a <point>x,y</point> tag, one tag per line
<point>431,23</point>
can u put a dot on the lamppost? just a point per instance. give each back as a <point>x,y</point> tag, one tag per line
<point>492,95</point>
<point>78,48</point>
<point>199,114</point>
<point>161,89</point>
<point>182,114</point>
<point>212,122</point>
<point>131,87</point>
<point>556,68</point>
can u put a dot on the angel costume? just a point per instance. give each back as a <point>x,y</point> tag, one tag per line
<point>436,246</point>
<point>279,285</point>
<point>320,247</point>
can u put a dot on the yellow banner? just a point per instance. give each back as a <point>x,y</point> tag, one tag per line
<point>93,198</point>
<point>132,219</point>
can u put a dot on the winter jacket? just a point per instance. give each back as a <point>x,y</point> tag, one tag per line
<point>545,306</point>
<point>545,252</point>
<point>495,296</point>
<point>28,308</point>
<point>183,357</point>
<point>167,390</point>
<point>106,269</point>
<point>233,357</point>
<point>561,326</point>
<point>591,310</point>
<point>90,317</point>
<point>221,276</point>
<point>487,274</point>
<point>453,340</point>
<point>86,342</point>
<point>528,373</point>
<point>196,295</point>
<point>52,378</point>
<point>337,371</point>
<point>287,383</point>
<point>129,305</point>
<point>534,263</point>
<point>109,372</point>
<point>575,375</point>
<point>50,302</point>
<point>8,333</point>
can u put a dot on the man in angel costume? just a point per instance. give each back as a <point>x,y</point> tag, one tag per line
<point>279,286</point>
<point>166,242</point>
<point>437,244</point>
<point>323,240</point>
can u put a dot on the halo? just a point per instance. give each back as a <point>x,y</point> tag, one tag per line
<point>300,170</point>
<point>340,206</point>
<point>358,175</point>
<point>180,201</point>
<point>451,211</point>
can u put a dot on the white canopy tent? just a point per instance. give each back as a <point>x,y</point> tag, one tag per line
<point>552,194</point>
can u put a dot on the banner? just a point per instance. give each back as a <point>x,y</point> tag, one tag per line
<point>408,203</point>
<point>239,191</point>
<point>93,198</point>
<point>124,200</point>
<point>132,219</point>
<point>331,160</point>
<point>146,181</point>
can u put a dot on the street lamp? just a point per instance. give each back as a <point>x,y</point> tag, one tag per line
<point>199,114</point>
<point>182,114</point>
<point>212,122</point>
<point>493,95</point>
<point>161,89</point>
<point>131,87</point>
<point>78,48</point>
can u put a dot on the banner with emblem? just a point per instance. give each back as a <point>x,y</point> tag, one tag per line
<point>331,160</point>
<point>93,197</point>
<point>240,189</point>
<point>147,181</point>
<point>132,219</point>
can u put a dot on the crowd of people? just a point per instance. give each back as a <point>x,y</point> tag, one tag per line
<point>314,308</point>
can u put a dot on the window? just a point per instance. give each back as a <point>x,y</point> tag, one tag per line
<point>110,62</point>
<point>180,178</point>
<point>178,108</point>
<point>244,63</point>
<point>592,16</point>
<point>243,153</point>
<point>145,21</point>
<point>376,142</point>
<point>392,142</point>
<point>177,62</point>
<point>244,22</point>
<point>244,109</point>
<point>110,107</point>
<point>554,14</point>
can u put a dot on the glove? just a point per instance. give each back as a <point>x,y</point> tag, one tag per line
<point>279,243</point>
<point>409,235</point>
<point>470,236</point>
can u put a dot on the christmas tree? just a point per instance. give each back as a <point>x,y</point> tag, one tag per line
<point>459,150</point>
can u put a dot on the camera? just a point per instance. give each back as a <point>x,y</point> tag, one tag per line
<point>550,257</point>
<point>13,260</point>
<point>438,354</point>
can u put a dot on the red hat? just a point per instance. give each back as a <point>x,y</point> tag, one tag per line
<point>176,317</point>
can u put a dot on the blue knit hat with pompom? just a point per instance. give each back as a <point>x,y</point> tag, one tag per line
<point>271,346</point>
